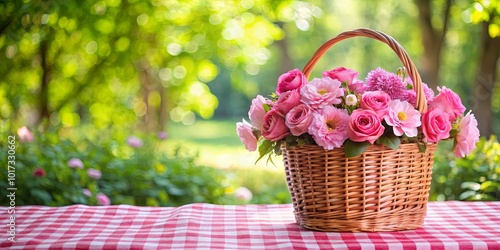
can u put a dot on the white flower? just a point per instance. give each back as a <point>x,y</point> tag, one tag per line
<point>351,100</point>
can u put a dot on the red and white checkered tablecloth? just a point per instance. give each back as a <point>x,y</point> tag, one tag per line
<point>448,225</point>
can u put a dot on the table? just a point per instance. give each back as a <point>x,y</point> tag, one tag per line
<point>448,225</point>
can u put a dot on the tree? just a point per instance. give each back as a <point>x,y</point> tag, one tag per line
<point>432,40</point>
<point>486,14</point>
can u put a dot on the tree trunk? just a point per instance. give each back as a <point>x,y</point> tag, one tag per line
<point>43,105</point>
<point>285,61</point>
<point>432,41</point>
<point>484,83</point>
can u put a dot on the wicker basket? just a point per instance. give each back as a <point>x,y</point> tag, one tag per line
<point>380,190</point>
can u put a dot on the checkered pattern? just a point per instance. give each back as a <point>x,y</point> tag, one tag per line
<point>448,225</point>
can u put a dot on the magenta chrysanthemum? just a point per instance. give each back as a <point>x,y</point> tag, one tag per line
<point>329,127</point>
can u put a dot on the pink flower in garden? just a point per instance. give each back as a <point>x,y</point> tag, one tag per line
<point>162,135</point>
<point>75,163</point>
<point>257,111</point>
<point>449,102</point>
<point>346,75</point>
<point>377,101</point>
<point>403,118</point>
<point>86,192</point>
<point>94,173</point>
<point>299,119</point>
<point>435,125</point>
<point>286,101</point>
<point>134,141</point>
<point>329,127</point>
<point>322,92</point>
<point>243,194</point>
<point>24,134</point>
<point>274,127</point>
<point>467,137</point>
<point>39,172</point>
<point>245,132</point>
<point>103,200</point>
<point>364,125</point>
<point>293,79</point>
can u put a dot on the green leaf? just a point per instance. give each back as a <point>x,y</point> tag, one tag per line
<point>470,185</point>
<point>355,148</point>
<point>391,141</point>
<point>264,148</point>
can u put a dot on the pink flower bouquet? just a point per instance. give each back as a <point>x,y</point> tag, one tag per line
<point>339,110</point>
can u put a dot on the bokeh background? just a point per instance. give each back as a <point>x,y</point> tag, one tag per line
<point>147,92</point>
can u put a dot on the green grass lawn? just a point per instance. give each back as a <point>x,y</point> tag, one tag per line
<point>218,145</point>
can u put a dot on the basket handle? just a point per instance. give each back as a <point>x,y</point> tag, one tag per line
<point>421,103</point>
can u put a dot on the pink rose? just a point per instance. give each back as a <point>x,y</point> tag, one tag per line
<point>435,125</point>
<point>377,101</point>
<point>293,79</point>
<point>322,92</point>
<point>75,163</point>
<point>342,74</point>
<point>364,125</point>
<point>257,111</point>
<point>286,101</point>
<point>346,75</point>
<point>94,173</point>
<point>329,127</point>
<point>274,127</point>
<point>245,132</point>
<point>467,137</point>
<point>103,200</point>
<point>299,119</point>
<point>449,102</point>
<point>39,172</point>
<point>24,134</point>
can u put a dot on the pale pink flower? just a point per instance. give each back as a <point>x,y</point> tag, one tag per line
<point>299,119</point>
<point>293,79</point>
<point>243,194</point>
<point>329,127</point>
<point>449,102</point>
<point>24,134</point>
<point>134,141</point>
<point>39,172</point>
<point>75,163</point>
<point>86,192</point>
<point>468,135</point>
<point>322,92</point>
<point>435,125</point>
<point>428,92</point>
<point>286,101</point>
<point>246,135</point>
<point>403,118</point>
<point>274,127</point>
<point>94,173</point>
<point>377,101</point>
<point>103,199</point>
<point>257,111</point>
<point>351,100</point>
<point>364,125</point>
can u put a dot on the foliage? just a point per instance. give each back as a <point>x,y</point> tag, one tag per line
<point>474,177</point>
<point>137,176</point>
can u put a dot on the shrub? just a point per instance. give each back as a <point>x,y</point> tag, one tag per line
<point>474,177</point>
<point>136,174</point>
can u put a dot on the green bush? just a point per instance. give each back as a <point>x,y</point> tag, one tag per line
<point>130,175</point>
<point>474,177</point>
